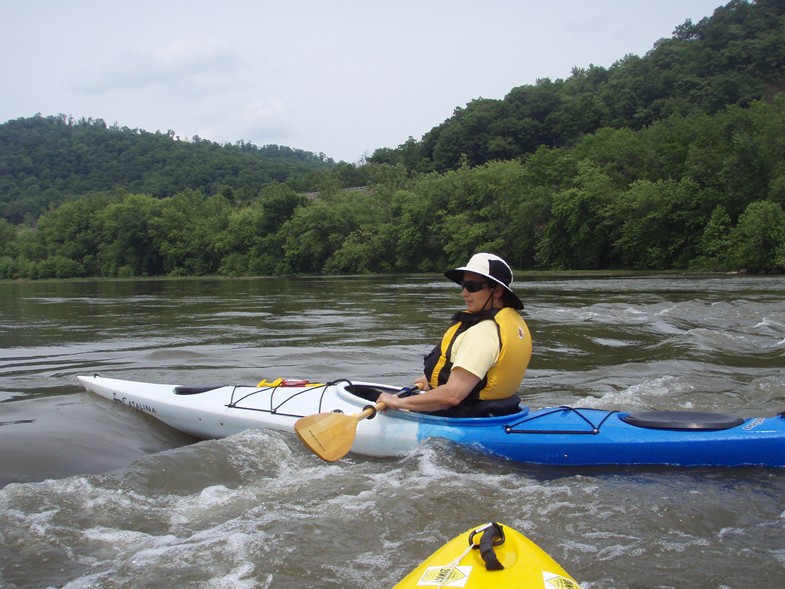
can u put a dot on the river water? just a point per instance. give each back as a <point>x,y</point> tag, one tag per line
<point>95,495</point>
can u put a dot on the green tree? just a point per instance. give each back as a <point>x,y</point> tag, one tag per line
<point>623,155</point>
<point>715,246</point>
<point>759,238</point>
<point>130,248</point>
<point>654,223</point>
<point>361,252</point>
<point>184,233</point>
<point>7,239</point>
<point>578,235</point>
<point>480,207</point>
<point>418,218</point>
<point>277,204</point>
<point>544,173</point>
<point>75,231</point>
<point>314,233</point>
<point>239,244</point>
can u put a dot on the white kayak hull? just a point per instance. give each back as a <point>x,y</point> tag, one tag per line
<point>227,410</point>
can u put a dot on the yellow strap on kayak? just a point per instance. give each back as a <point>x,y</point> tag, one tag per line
<point>288,382</point>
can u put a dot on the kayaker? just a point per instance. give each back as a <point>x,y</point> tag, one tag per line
<point>477,368</point>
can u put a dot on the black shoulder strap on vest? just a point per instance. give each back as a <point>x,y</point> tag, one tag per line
<point>471,319</point>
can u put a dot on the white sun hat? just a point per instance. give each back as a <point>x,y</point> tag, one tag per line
<point>492,267</point>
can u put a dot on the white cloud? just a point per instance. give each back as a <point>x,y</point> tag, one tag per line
<point>264,109</point>
<point>182,61</point>
<point>261,122</point>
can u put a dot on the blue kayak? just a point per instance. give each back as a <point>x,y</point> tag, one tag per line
<point>564,436</point>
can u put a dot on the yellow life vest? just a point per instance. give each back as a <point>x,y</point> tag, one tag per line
<point>505,376</point>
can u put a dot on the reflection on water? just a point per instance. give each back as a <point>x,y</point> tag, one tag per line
<point>94,495</point>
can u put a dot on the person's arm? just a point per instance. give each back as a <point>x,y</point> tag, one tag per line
<point>450,394</point>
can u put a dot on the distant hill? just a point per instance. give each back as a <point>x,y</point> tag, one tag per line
<point>734,57</point>
<point>46,160</point>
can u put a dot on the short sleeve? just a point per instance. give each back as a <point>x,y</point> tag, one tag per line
<point>477,348</point>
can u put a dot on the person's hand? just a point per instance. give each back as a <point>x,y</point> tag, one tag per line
<point>390,401</point>
<point>422,383</point>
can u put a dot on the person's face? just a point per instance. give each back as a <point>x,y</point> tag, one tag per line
<point>480,299</point>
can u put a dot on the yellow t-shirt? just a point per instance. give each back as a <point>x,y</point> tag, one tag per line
<point>477,348</point>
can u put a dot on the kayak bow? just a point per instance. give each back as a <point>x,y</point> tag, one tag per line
<point>490,556</point>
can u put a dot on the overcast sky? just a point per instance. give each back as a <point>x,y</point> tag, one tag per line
<point>339,77</point>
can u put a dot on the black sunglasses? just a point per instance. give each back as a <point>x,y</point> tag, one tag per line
<point>473,285</point>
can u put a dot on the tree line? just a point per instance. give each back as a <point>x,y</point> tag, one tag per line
<point>701,192</point>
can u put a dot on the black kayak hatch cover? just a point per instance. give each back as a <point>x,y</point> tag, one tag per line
<point>682,420</point>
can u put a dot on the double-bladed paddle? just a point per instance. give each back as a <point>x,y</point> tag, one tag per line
<point>330,435</point>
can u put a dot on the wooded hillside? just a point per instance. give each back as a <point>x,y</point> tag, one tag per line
<point>734,57</point>
<point>47,160</point>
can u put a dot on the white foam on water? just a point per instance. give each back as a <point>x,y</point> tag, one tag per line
<point>641,394</point>
<point>258,510</point>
